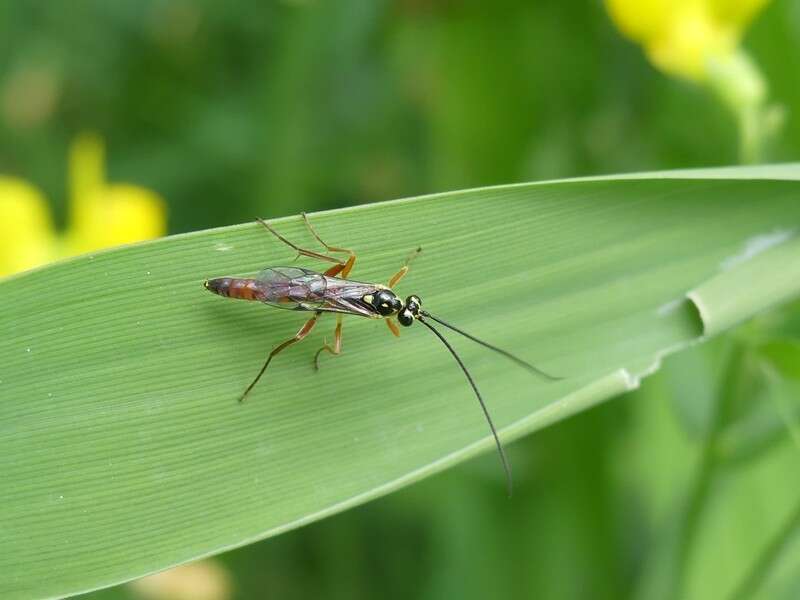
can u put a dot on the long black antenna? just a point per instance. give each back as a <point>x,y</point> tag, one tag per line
<point>503,459</point>
<point>516,359</point>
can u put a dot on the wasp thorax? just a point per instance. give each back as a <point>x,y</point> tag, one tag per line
<point>410,311</point>
<point>385,303</point>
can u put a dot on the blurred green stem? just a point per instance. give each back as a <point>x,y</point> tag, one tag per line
<point>709,463</point>
<point>706,469</point>
<point>740,85</point>
<point>761,568</point>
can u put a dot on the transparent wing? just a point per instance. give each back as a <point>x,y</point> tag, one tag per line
<point>346,296</point>
<point>292,288</point>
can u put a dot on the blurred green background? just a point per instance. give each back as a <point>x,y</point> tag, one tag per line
<point>236,109</point>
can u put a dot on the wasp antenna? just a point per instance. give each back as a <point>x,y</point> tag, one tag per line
<point>503,459</point>
<point>516,359</point>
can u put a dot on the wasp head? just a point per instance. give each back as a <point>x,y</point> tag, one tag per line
<point>410,311</point>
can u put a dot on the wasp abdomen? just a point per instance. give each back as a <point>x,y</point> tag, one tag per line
<point>234,287</point>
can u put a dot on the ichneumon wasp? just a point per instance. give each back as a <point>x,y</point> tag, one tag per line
<point>331,291</point>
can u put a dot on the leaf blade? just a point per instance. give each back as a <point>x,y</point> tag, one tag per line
<point>120,373</point>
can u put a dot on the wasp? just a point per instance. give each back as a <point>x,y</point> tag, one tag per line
<point>332,291</point>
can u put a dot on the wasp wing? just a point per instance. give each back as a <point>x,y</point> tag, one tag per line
<point>295,288</point>
<point>292,288</point>
<point>346,296</point>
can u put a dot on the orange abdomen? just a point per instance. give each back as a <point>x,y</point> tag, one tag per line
<point>234,287</point>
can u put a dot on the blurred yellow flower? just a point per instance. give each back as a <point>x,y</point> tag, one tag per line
<point>202,580</point>
<point>100,214</point>
<point>26,231</point>
<point>681,37</point>
<point>700,40</point>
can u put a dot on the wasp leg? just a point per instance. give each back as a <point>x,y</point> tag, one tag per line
<point>393,327</point>
<point>404,269</point>
<point>301,251</point>
<point>304,331</point>
<point>328,247</point>
<point>351,256</point>
<point>337,343</point>
<point>343,269</point>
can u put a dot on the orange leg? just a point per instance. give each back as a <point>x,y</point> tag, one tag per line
<point>393,327</point>
<point>351,258</point>
<point>304,331</point>
<point>300,251</point>
<point>334,271</point>
<point>344,269</point>
<point>337,343</point>
<point>341,268</point>
<point>404,269</point>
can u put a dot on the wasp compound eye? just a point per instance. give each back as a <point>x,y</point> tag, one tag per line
<point>406,317</point>
<point>413,303</point>
<point>386,303</point>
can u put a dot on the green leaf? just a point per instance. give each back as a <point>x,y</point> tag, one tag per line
<point>124,451</point>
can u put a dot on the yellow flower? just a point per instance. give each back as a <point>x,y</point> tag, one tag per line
<point>700,40</point>
<point>203,580</point>
<point>26,231</point>
<point>682,37</point>
<point>100,214</point>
